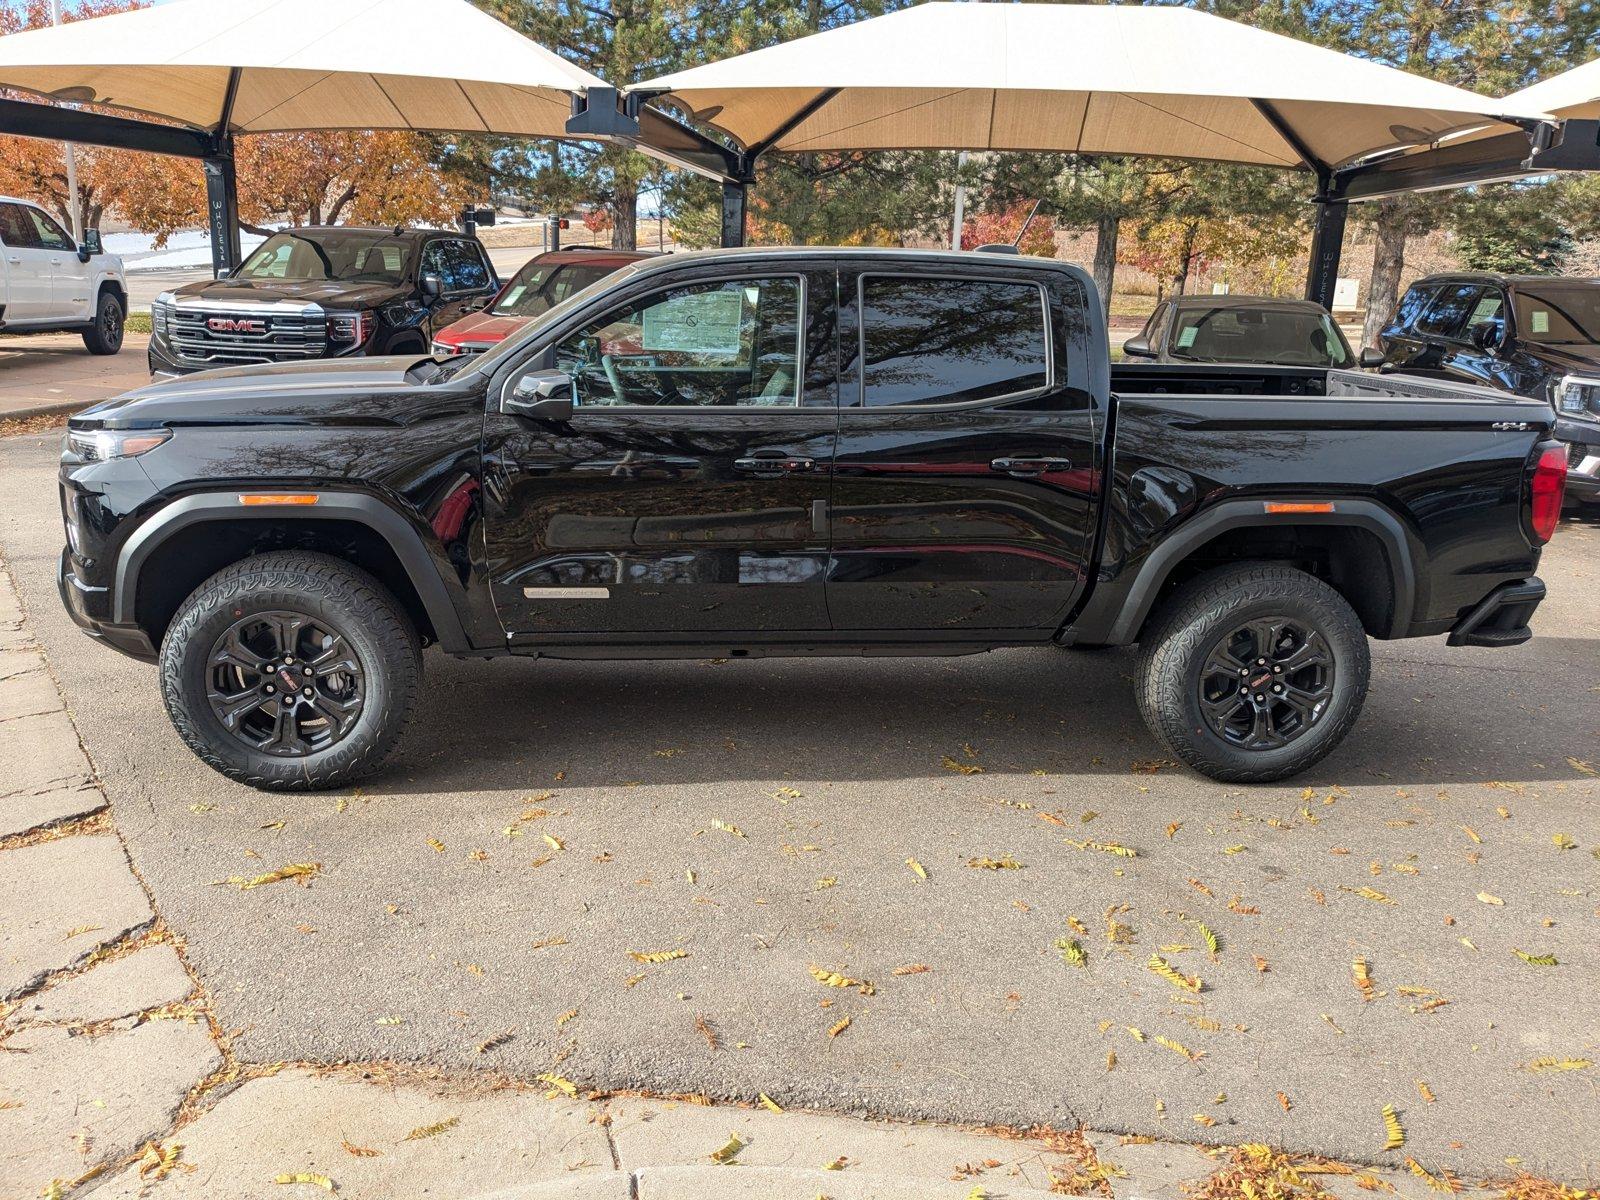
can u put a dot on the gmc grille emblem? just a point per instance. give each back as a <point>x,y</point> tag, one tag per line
<point>235,325</point>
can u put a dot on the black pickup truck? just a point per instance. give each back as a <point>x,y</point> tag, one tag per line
<point>323,292</point>
<point>797,452</point>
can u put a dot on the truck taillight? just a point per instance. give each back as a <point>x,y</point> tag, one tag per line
<point>1548,488</point>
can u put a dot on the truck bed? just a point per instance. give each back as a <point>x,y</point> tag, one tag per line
<point>1204,379</point>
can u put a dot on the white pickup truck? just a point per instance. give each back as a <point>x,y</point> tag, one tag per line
<point>49,284</point>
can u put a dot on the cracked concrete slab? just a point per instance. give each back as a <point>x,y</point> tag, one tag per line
<point>46,777</point>
<point>63,899</point>
<point>86,1100</point>
<point>664,1133</point>
<point>26,693</point>
<point>135,983</point>
<point>427,1143</point>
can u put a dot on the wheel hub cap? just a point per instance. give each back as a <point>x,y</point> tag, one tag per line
<point>284,683</point>
<point>1266,683</point>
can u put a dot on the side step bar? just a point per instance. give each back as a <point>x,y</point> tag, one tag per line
<point>1501,619</point>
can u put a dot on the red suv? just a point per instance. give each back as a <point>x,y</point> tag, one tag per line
<point>542,283</point>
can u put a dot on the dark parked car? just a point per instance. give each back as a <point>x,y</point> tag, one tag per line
<point>796,452</point>
<point>543,282</point>
<point>323,292</point>
<point>1527,334</point>
<point>1241,329</point>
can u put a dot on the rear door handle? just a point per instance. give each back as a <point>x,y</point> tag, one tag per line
<point>1024,468</point>
<point>774,464</point>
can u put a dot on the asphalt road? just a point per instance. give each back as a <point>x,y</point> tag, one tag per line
<point>446,928</point>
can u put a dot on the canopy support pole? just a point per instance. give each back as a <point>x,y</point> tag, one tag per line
<point>222,207</point>
<point>1327,241</point>
<point>735,205</point>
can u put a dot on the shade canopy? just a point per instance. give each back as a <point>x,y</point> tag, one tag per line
<point>266,66</point>
<point>1096,79</point>
<point>1572,95</point>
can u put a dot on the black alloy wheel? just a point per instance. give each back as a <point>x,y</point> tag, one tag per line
<point>285,683</point>
<point>1265,684</point>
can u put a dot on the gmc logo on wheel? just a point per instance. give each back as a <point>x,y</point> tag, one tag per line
<point>235,325</point>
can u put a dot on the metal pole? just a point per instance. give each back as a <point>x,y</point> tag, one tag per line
<point>960,217</point>
<point>735,203</point>
<point>222,207</point>
<point>75,216</point>
<point>1327,246</point>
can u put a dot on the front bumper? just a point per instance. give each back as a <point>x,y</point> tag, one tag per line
<point>1583,457</point>
<point>88,607</point>
<point>1500,618</point>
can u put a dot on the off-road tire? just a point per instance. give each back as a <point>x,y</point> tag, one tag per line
<point>332,593</point>
<point>1180,635</point>
<point>105,335</point>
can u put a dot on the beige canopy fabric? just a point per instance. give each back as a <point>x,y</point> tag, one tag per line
<point>438,65</point>
<point>1573,94</point>
<point>1097,79</point>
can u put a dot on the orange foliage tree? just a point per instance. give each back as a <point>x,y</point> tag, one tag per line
<point>1003,225</point>
<point>380,178</point>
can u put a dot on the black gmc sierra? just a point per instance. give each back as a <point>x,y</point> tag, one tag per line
<point>785,452</point>
<point>323,292</point>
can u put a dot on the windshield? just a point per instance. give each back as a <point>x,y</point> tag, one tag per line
<point>539,287</point>
<point>1558,314</point>
<point>1274,336</point>
<point>490,358</point>
<point>356,256</point>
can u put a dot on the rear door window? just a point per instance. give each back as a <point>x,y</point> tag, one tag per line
<point>945,341</point>
<point>17,228</point>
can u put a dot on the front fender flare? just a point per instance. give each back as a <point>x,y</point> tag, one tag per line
<point>401,536</point>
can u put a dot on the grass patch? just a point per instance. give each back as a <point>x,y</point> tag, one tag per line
<point>138,322</point>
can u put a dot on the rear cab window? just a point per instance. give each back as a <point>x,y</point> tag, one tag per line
<point>950,340</point>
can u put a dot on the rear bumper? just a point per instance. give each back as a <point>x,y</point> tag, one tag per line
<point>85,603</point>
<point>1501,618</point>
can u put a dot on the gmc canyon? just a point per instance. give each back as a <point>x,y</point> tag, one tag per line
<point>797,452</point>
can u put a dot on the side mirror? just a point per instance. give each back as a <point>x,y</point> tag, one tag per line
<point>541,396</point>
<point>1138,347</point>
<point>92,245</point>
<point>1485,335</point>
<point>432,285</point>
<point>1372,357</point>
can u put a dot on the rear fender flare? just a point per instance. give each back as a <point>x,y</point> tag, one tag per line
<point>1401,551</point>
<point>366,510</point>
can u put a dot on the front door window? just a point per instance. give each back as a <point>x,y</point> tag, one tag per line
<point>718,344</point>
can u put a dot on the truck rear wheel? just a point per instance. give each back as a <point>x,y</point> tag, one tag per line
<point>105,335</point>
<point>1253,673</point>
<point>291,671</point>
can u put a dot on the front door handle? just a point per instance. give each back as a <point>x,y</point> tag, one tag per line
<point>774,464</point>
<point>1026,468</point>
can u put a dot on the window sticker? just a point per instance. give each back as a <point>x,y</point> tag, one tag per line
<point>696,323</point>
<point>513,295</point>
<point>1539,320</point>
<point>1186,337</point>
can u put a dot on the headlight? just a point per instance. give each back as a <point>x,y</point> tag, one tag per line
<point>161,311</point>
<point>98,445</point>
<point>351,328</point>
<point>1574,395</point>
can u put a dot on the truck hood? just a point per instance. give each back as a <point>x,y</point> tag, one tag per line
<point>482,327</point>
<point>1580,360</point>
<point>353,391</point>
<point>330,293</point>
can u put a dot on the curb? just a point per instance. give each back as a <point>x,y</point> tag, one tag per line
<point>759,1183</point>
<point>44,410</point>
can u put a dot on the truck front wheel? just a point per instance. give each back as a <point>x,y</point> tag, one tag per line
<point>290,671</point>
<point>105,335</point>
<point>1253,673</point>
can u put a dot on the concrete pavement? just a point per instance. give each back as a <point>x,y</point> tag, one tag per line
<point>117,1080</point>
<point>53,372</point>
